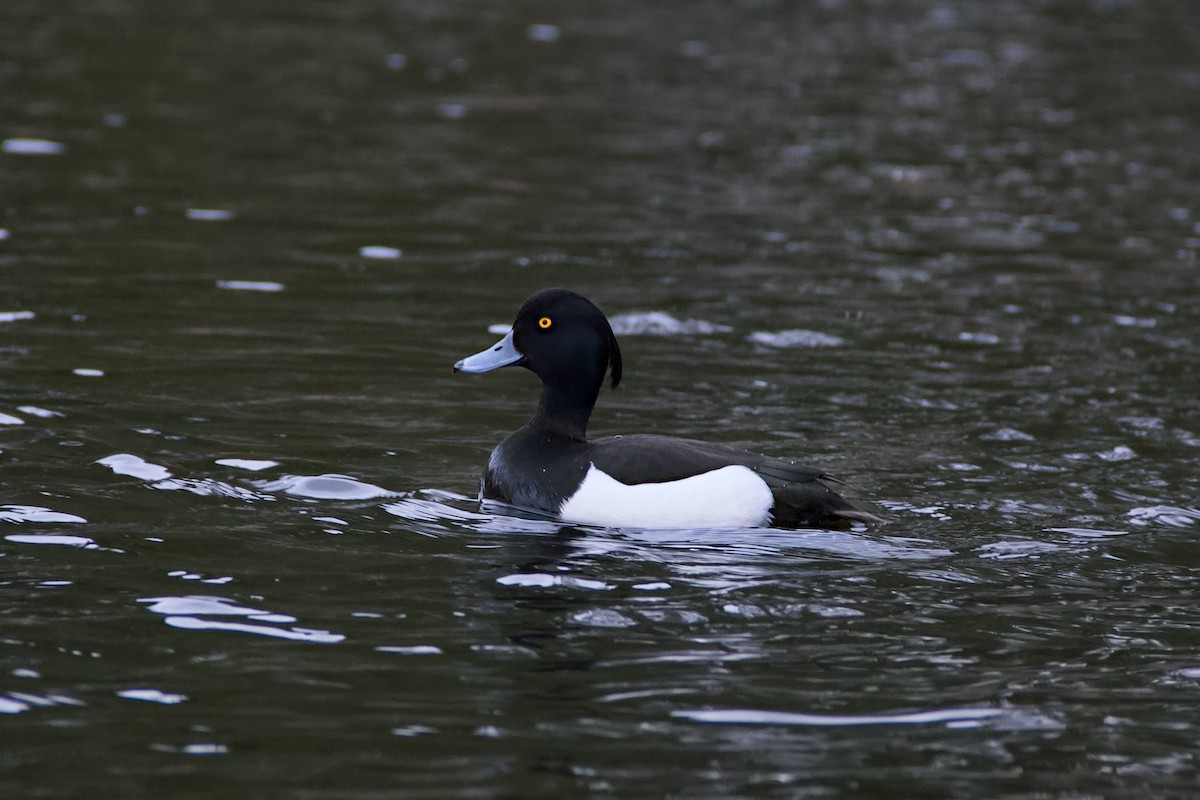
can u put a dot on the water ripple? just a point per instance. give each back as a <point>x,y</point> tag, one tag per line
<point>420,510</point>
<point>1006,550</point>
<point>209,487</point>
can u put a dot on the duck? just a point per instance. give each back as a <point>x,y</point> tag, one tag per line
<point>550,466</point>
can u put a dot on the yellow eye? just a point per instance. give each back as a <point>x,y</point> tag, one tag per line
<point>545,322</point>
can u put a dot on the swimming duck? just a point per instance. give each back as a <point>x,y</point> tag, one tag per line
<point>642,480</point>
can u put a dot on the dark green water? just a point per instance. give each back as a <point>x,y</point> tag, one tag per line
<point>987,211</point>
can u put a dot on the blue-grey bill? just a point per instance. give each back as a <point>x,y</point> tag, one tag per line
<point>502,354</point>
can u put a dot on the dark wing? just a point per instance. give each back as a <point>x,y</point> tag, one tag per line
<point>801,496</point>
<point>781,472</point>
<point>646,458</point>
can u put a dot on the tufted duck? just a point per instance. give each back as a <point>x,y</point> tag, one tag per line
<point>642,480</point>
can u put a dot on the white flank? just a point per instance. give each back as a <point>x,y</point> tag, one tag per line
<point>731,496</point>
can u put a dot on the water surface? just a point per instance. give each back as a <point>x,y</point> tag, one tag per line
<point>945,251</point>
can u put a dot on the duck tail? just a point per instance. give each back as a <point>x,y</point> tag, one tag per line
<point>859,516</point>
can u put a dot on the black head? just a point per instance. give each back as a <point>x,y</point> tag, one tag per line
<point>566,340</point>
<point>561,337</point>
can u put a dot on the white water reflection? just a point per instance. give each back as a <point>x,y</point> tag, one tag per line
<point>543,580</point>
<point>410,650</point>
<point>9,706</point>
<point>209,214</point>
<point>325,487</point>
<point>380,252</point>
<point>722,547</point>
<point>32,147</point>
<point>190,613</point>
<point>295,634</point>
<point>153,696</point>
<point>1172,516</point>
<point>135,467</point>
<point>795,338</point>
<point>660,323</point>
<point>1006,435</point>
<point>18,702</point>
<point>543,32</point>
<point>53,538</point>
<point>251,286</point>
<point>37,411</point>
<point>209,487</point>
<point>183,574</point>
<point>603,618</point>
<point>248,464</point>
<point>1088,533</point>
<point>410,731</point>
<point>205,604</point>
<point>936,511</point>
<point>956,717</point>
<point>1007,550</point>
<point>37,514</point>
<point>193,749</point>
<point>723,544</point>
<point>417,509</point>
